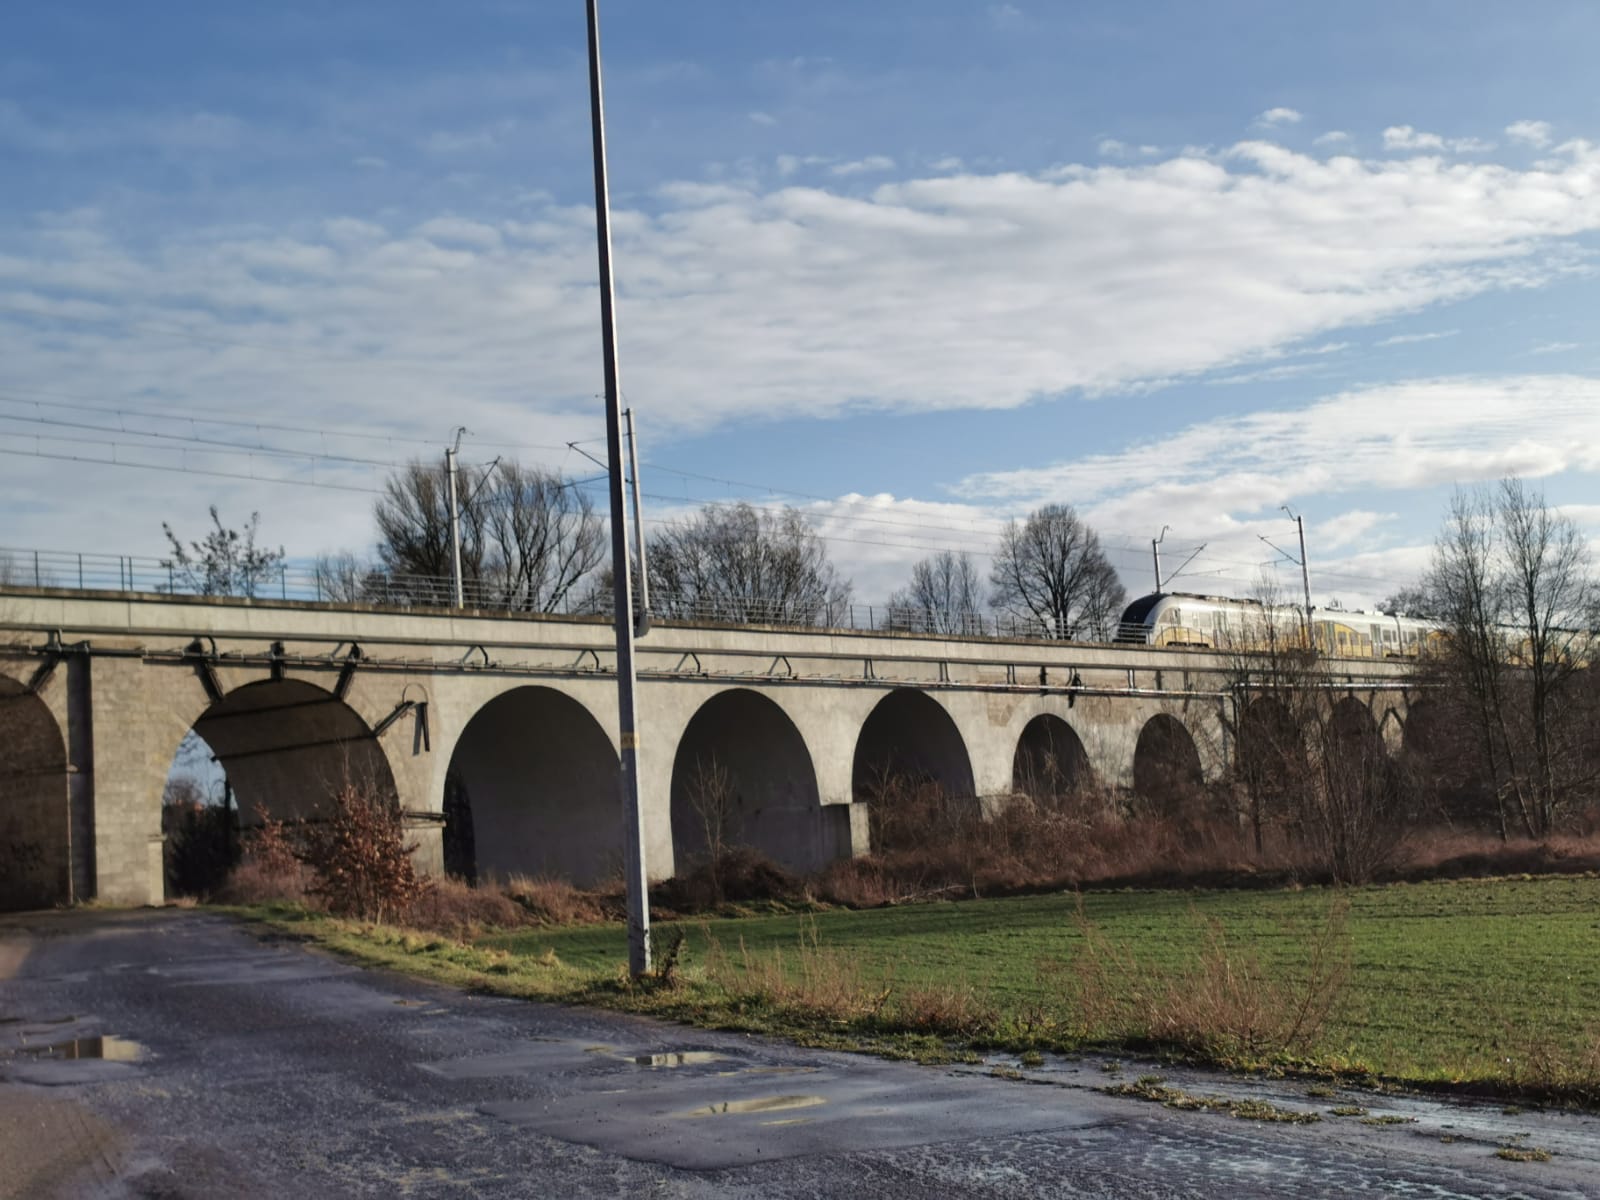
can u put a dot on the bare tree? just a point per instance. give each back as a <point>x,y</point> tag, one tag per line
<point>944,596</point>
<point>741,563</point>
<point>1050,569</point>
<point>1513,584</point>
<point>528,537</point>
<point>226,562</point>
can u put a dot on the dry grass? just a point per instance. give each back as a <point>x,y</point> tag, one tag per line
<point>548,901</point>
<point>1224,1004</point>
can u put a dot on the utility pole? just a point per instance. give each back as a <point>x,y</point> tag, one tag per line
<point>1155,549</point>
<point>643,626</point>
<point>455,518</point>
<point>1305,568</point>
<point>632,816</point>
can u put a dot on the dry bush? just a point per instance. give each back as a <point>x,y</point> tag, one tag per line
<point>739,875</point>
<point>360,857</point>
<point>452,906</point>
<point>252,883</point>
<point>550,901</point>
<point>940,849</point>
<point>1450,854</point>
<point>1538,1064</point>
<point>1223,1003</point>
<point>270,871</point>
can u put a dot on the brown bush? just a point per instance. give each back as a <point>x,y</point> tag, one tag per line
<point>252,883</point>
<point>360,857</point>
<point>740,875</point>
<point>452,906</point>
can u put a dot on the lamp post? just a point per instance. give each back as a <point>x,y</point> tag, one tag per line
<point>622,587</point>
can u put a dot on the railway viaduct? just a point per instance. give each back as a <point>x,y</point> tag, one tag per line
<point>518,714</point>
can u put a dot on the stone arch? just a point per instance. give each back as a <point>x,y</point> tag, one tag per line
<point>1352,727</point>
<point>909,734</point>
<point>1166,764</point>
<point>35,823</point>
<point>539,780</point>
<point>1050,759</point>
<point>912,770</point>
<point>287,745</point>
<point>742,745</point>
<point>1272,751</point>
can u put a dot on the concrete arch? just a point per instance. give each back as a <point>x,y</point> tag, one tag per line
<point>540,779</point>
<point>1050,759</point>
<point>1166,763</point>
<point>1272,750</point>
<point>1353,728</point>
<point>742,745</point>
<point>35,824</point>
<point>909,734</point>
<point>287,744</point>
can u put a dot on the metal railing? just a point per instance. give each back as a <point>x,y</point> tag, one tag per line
<point>307,581</point>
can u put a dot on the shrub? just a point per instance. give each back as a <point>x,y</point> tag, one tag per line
<point>359,854</point>
<point>554,901</point>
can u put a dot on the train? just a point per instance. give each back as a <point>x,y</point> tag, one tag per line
<point>1226,623</point>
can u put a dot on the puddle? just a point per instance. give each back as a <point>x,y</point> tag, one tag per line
<point>111,1049</point>
<point>681,1058</point>
<point>761,1104</point>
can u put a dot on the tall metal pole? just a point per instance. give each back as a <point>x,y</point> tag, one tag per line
<point>632,815</point>
<point>1155,549</point>
<point>455,522</point>
<point>1305,567</point>
<point>643,626</point>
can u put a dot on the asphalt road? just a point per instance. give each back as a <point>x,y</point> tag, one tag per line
<point>214,1063</point>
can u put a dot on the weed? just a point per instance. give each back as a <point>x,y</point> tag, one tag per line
<point>1348,1110</point>
<point>1032,1058</point>
<point>1388,1119</point>
<point>1319,1092</point>
<point>1523,1154</point>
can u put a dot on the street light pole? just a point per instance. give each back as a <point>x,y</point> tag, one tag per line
<point>622,590</point>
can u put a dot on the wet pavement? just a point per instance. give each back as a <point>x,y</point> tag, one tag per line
<point>176,1054</point>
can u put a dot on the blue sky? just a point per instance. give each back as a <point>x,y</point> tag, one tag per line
<point>916,266</point>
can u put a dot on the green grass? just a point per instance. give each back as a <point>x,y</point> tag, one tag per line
<point>1481,983</point>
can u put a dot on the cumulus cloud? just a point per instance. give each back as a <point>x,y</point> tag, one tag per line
<point>1279,116</point>
<point>1530,133</point>
<point>763,118</point>
<point>1406,339</point>
<point>1334,137</point>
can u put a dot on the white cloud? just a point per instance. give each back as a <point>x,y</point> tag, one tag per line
<point>1404,137</point>
<point>1555,347</point>
<point>1334,137</point>
<point>948,163</point>
<point>952,291</point>
<point>861,166</point>
<point>1530,133</point>
<point>1112,148</point>
<point>763,118</point>
<point>1279,116</point>
<point>1224,479</point>
<point>370,162</point>
<point>1406,339</point>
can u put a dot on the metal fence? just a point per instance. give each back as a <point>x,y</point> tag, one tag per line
<point>310,582</point>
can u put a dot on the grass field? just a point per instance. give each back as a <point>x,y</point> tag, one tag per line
<point>1494,984</point>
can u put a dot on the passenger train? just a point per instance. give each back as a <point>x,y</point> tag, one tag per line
<point>1224,623</point>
